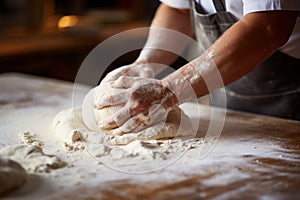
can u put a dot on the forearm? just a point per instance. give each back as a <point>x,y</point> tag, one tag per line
<point>238,51</point>
<point>162,37</point>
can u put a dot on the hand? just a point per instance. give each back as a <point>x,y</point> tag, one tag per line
<point>133,70</point>
<point>147,101</point>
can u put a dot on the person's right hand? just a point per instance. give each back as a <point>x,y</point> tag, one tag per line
<point>133,70</point>
<point>145,102</point>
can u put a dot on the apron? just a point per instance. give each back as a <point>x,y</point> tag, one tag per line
<point>273,88</point>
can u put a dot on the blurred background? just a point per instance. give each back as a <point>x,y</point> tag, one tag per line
<point>51,38</point>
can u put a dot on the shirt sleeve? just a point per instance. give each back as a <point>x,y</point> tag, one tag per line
<point>184,4</point>
<point>268,5</point>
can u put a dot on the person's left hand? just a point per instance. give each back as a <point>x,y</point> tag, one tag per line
<point>146,101</point>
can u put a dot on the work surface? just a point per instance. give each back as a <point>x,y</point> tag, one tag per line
<point>255,156</point>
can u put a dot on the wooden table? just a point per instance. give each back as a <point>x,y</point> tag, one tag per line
<point>255,157</point>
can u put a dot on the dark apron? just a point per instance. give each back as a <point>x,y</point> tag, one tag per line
<point>273,88</point>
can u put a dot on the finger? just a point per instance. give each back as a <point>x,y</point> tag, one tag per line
<point>115,120</point>
<point>126,70</point>
<point>157,113</point>
<point>130,125</point>
<point>140,127</point>
<point>125,82</point>
<point>113,75</point>
<point>113,99</point>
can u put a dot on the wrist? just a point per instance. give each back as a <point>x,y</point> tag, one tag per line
<point>180,87</point>
<point>171,99</point>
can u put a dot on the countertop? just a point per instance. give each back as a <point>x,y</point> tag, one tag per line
<point>254,157</point>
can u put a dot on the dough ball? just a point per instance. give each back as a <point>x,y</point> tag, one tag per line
<point>102,91</point>
<point>92,116</point>
<point>177,125</point>
<point>12,175</point>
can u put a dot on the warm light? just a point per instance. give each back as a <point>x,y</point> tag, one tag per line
<point>67,21</point>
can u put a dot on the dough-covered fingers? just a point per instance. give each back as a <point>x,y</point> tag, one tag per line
<point>113,99</point>
<point>133,70</point>
<point>122,122</point>
<point>136,123</point>
<point>113,75</point>
<point>145,103</point>
<point>115,120</point>
<point>157,113</point>
<point>126,81</point>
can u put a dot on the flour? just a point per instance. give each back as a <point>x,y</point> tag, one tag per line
<point>12,175</point>
<point>74,124</point>
<point>229,171</point>
<point>29,138</point>
<point>32,158</point>
<point>176,125</point>
<point>76,146</point>
<point>132,152</point>
<point>203,66</point>
<point>150,149</point>
<point>142,156</point>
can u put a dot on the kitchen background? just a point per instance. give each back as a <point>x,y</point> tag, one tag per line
<point>52,37</point>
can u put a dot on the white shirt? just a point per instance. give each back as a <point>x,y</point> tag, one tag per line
<point>239,8</point>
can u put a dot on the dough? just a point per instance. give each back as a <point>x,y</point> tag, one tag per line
<point>32,158</point>
<point>69,126</point>
<point>92,116</point>
<point>12,175</point>
<point>81,124</point>
<point>177,124</point>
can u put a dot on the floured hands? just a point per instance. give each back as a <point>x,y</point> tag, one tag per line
<point>146,102</point>
<point>133,70</point>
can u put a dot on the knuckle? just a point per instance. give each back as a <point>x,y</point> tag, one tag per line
<point>121,78</point>
<point>112,124</point>
<point>123,81</point>
<point>137,120</point>
<point>110,99</point>
<point>117,120</point>
<point>132,110</point>
<point>128,127</point>
<point>120,117</point>
<point>135,106</point>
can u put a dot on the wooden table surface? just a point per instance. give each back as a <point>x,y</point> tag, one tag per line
<point>256,157</point>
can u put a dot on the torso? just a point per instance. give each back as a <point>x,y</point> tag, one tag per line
<point>235,7</point>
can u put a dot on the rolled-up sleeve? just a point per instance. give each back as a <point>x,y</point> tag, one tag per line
<point>268,5</point>
<point>184,4</point>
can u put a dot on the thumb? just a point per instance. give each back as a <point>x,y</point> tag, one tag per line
<point>125,82</point>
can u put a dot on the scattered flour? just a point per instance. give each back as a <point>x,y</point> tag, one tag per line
<point>150,149</point>
<point>176,125</point>
<point>29,138</point>
<point>141,156</point>
<point>32,158</point>
<point>139,153</point>
<point>76,146</point>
